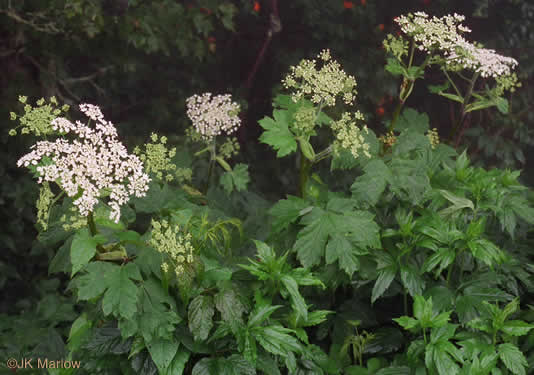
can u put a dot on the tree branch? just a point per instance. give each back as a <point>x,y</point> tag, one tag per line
<point>275,26</point>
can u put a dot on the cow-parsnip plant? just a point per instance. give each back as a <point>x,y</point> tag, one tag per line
<point>171,277</point>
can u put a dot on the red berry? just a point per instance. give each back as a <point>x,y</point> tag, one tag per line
<point>363,2</point>
<point>380,111</point>
<point>257,6</point>
<point>348,4</point>
<point>381,27</point>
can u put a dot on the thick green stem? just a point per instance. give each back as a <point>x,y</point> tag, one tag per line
<point>305,167</point>
<point>412,52</point>
<point>305,164</point>
<point>395,115</point>
<point>91,223</point>
<point>323,154</point>
<point>213,158</point>
<point>112,255</point>
<point>93,231</point>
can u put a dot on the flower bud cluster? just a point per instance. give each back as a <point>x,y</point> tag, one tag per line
<point>444,35</point>
<point>229,148</point>
<point>37,120</point>
<point>397,46</point>
<point>184,175</point>
<point>433,137</point>
<point>349,135</point>
<point>321,85</point>
<point>157,158</point>
<point>212,116</point>
<point>44,204</point>
<point>89,167</point>
<point>166,239</point>
<point>73,221</point>
<point>389,139</point>
<point>304,120</point>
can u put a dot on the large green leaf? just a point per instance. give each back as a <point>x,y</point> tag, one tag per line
<point>178,363</point>
<point>277,340</point>
<point>442,258</point>
<point>107,340</point>
<point>444,362</point>
<point>287,211</point>
<point>443,333</point>
<point>260,314</point>
<point>341,250</point>
<point>79,331</point>
<point>412,280</point>
<point>157,317</point>
<point>407,322</point>
<point>516,327</point>
<point>200,315</point>
<point>410,140</point>
<point>394,67</point>
<point>121,295</point>
<point>82,249</point>
<point>236,179</point>
<point>486,251</point>
<point>320,225</point>
<point>311,240</point>
<point>61,261</point>
<point>230,307</point>
<point>385,277</point>
<point>513,358</point>
<point>162,352</point>
<point>296,298</point>
<point>458,203</point>
<point>360,227</point>
<point>95,280</point>
<point>277,133</point>
<point>412,120</point>
<point>369,187</point>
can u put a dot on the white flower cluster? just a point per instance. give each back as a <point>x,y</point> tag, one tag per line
<point>445,35</point>
<point>212,116</point>
<point>322,85</point>
<point>95,162</point>
<point>483,60</point>
<point>349,136</point>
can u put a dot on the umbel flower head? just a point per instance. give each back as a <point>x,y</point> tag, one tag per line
<point>349,136</point>
<point>167,239</point>
<point>444,36</point>
<point>213,115</point>
<point>321,85</point>
<point>158,158</point>
<point>94,165</point>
